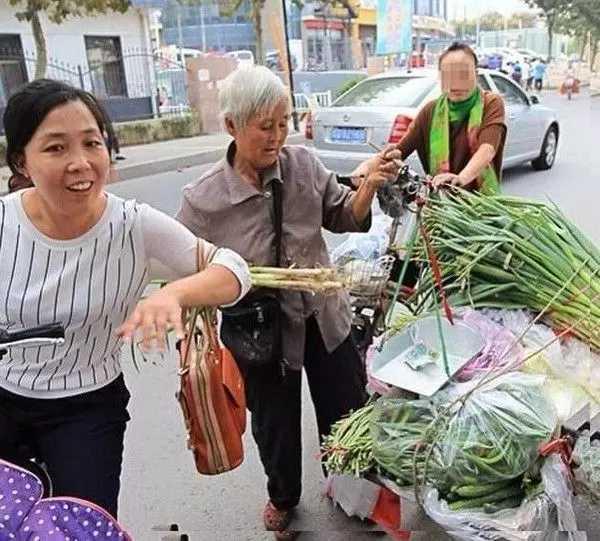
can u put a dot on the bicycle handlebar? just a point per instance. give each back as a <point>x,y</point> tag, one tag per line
<point>42,335</point>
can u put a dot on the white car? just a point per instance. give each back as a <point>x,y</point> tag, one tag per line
<point>380,109</point>
<point>244,58</point>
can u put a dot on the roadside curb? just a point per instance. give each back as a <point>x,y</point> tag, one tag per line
<point>155,167</point>
<point>207,154</point>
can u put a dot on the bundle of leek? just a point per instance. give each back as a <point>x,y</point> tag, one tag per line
<point>507,252</point>
<point>321,280</point>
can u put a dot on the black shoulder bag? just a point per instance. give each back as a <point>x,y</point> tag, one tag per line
<point>251,329</point>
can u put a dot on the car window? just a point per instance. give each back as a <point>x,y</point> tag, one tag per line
<point>510,92</point>
<point>483,82</point>
<point>390,92</point>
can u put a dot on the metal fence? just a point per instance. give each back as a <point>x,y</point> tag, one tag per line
<point>137,84</point>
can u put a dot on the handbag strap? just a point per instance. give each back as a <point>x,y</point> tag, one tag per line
<point>278,218</point>
<point>206,316</point>
<point>185,359</point>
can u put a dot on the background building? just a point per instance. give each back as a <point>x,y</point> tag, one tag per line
<point>430,26</point>
<point>108,55</point>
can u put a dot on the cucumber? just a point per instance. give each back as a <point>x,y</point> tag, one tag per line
<point>476,491</point>
<point>498,496</point>
<point>508,503</point>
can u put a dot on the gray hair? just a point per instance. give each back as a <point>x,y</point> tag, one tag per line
<point>249,91</point>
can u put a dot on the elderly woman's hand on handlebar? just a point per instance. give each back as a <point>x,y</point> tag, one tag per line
<point>381,168</point>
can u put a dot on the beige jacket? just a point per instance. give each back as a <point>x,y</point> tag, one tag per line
<point>225,210</point>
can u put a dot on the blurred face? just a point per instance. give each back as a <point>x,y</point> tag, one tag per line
<point>68,161</point>
<point>458,75</point>
<point>259,142</point>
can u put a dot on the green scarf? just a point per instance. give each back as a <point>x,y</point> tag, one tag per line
<point>446,112</point>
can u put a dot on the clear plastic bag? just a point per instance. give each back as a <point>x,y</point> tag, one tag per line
<point>569,359</point>
<point>537,519</point>
<point>373,384</point>
<point>586,458</point>
<point>492,436</point>
<point>364,246</point>
<point>503,422</point>
<point>356,496</point>
<point>397,431</point>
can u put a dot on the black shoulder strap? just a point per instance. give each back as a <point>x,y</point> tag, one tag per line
<point>278,218</point>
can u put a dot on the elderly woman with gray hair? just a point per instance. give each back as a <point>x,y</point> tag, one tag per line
<point>269,202</point>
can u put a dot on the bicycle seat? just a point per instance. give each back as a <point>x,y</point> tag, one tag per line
<point>26,458</point>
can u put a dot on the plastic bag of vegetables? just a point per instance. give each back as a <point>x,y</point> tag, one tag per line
<point>586,458</point>
<point>466,435</point>
<point>496,431</point>
<point>570,359</point>
<point>538,518</point>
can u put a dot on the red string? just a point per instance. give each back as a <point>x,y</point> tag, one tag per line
<point>561,447</point>
<point>437,274</point>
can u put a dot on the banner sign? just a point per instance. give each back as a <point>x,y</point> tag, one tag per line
<point>394,26</point>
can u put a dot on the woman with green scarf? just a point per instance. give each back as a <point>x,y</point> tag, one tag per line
<point>460,136</point>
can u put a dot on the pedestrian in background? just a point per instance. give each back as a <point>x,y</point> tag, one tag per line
<point>527,79</point>
<point>517,73</point>
<point>539,72</point>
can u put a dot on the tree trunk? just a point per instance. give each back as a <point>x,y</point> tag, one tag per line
<point>595,47</point>
<point>584,42</point>
<point>550,40</point>
<point>40,45</point>
<point>257,19</point>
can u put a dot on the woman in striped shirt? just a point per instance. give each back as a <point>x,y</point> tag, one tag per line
<point>72,253</point>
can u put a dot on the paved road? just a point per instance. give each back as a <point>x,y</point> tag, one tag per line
<point>160,485</point>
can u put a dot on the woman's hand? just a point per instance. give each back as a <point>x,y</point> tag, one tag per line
<point>449,179</point>
<point>154,316</point>
<point>384,164</point>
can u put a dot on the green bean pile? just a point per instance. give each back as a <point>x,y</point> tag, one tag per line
<point>348,449</point>
<point>399,429</point>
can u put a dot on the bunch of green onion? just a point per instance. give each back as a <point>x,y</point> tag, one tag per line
<point>321,280</point>
<point>507,252</point>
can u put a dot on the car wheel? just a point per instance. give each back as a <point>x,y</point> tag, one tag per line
<point>547,155</point>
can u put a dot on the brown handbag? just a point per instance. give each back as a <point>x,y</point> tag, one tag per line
<point>211,396</point>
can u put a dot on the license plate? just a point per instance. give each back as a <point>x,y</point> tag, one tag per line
<point>348,135</point>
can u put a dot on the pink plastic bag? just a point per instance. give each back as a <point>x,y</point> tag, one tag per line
<point>500,349</point>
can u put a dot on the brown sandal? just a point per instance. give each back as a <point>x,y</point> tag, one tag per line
<point>286,535</point>
<point>276,520</point>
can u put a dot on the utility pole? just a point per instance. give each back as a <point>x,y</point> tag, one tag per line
<point>478,27</point>
<point>289,64</point>
<point>180,34</point>
<point>202,28</point>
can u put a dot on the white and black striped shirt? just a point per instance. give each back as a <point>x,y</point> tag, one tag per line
<point>89,284</point>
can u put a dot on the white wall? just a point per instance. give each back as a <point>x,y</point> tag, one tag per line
<point>65,42</point>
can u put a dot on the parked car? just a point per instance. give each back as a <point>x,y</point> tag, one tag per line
<point>528,54</point>
<point>244,58</point>
<point>380,109</point>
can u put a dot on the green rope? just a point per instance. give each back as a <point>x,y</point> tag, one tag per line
<point>407,257</point>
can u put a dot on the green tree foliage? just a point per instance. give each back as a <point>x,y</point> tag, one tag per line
<point>524,19</point>
<point>552,11</point>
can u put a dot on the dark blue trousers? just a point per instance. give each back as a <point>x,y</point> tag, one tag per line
<point>78,438</point>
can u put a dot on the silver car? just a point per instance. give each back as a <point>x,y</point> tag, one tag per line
<point>380,109</point>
